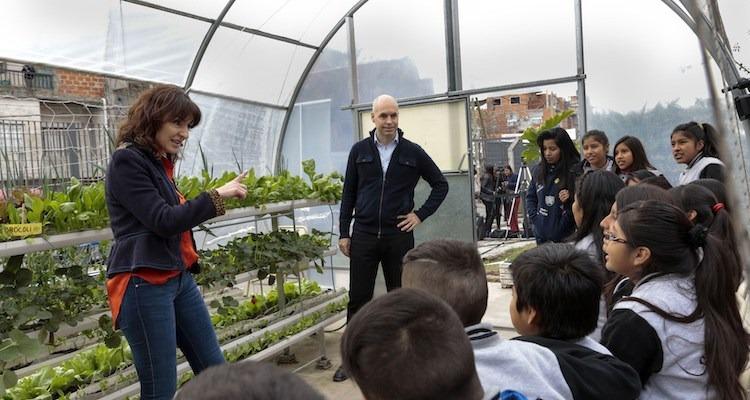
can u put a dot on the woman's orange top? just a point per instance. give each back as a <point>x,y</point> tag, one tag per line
<point>117,284</point>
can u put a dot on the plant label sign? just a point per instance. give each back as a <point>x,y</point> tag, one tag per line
<point>21,230</point>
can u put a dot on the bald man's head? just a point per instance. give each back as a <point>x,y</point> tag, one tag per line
<point>385,117</point>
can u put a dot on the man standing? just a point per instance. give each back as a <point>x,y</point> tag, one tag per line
<point>381,174</point>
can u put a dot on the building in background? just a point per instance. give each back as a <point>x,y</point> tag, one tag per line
<point>498,121</point>
<point>57,123</point>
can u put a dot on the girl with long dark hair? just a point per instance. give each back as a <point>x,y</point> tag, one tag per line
<point>594,197</point>
<point>630,156</point>
<point>595,146</point>
<point>550,195</point>
<point>695,145</point>
<point>702,207</point>
<point>595,194</point>
<point>717,188</point>
<point>680,329</point>
<point>620,285</point>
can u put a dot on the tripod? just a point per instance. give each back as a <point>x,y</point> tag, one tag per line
<point>522,184</point>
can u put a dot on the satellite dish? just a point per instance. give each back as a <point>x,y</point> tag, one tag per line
<point>28,72</point>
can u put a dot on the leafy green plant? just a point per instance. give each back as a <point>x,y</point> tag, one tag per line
<point>265,253</point>
<point>326,188</point>
<point>269,189</point>
<point>270,338</point>
<point>55,382</point>
<point>230,312</point>
<point>531,149</point>
<point>81,207</point>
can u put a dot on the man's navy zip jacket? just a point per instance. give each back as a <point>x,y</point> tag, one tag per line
<point>145,213</point>
<point>377,200</point>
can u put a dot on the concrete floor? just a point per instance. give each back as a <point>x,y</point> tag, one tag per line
<point>497,315</point>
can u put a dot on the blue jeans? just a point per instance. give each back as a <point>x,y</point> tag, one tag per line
<point>156,319</point>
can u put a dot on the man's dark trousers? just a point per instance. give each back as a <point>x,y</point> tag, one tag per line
<point>366,252</point>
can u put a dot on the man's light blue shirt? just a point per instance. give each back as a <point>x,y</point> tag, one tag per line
<point>385,151</point>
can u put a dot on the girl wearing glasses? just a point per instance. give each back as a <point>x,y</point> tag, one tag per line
<point>680,329</point>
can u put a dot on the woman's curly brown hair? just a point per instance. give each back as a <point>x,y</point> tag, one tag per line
<point>153,108</point>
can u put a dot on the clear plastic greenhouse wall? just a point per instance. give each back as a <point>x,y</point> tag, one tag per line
<point>286,88</point>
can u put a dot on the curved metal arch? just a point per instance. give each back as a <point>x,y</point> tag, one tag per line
<point>303,78</point>
<point>204,45</point>
<point>721,55</point>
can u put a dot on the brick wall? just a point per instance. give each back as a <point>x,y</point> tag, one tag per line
<point>531,106</point>
<point>81,85</point>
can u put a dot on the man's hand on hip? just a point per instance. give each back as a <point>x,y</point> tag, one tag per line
<point>410,221</point>
<point>345,246</point>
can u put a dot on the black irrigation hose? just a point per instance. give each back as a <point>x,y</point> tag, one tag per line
<point>337,329</point>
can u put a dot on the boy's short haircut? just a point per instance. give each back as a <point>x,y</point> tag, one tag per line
<point>563,285</point>
<point>409,345</point>
<point>247,381</point>
<point>453,271</point>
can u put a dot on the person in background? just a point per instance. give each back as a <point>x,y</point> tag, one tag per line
<point>550,195</point>
<point>247,380</point>
<point>487,196</point>
<point>630,157</point>
<point>152,295</point>
<point>500,194</point>
<point>510,204</point>
<point>382,171</point>
<point>680,328</point>
<point>695,145</point>
<point>595,145</point>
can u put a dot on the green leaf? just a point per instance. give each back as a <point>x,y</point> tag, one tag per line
<point>13,216</point>
<point>9,353</point>
<point>531,149</point>
<point>105,322</point>
<point>262,274</point>
<point>23,277</point>
<point>112,341</point>
<point>68,207</point>
<point>14,263</point>
<point>30,348</point>
<point>230,301</point>
<point>43,314</point>
<point>7,278</point>
<point>9,378</point>
<point>27,313</point>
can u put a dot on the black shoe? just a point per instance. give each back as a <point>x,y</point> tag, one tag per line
<point>340,375</point>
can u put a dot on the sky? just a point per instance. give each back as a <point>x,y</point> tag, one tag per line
<point>637,52</point>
